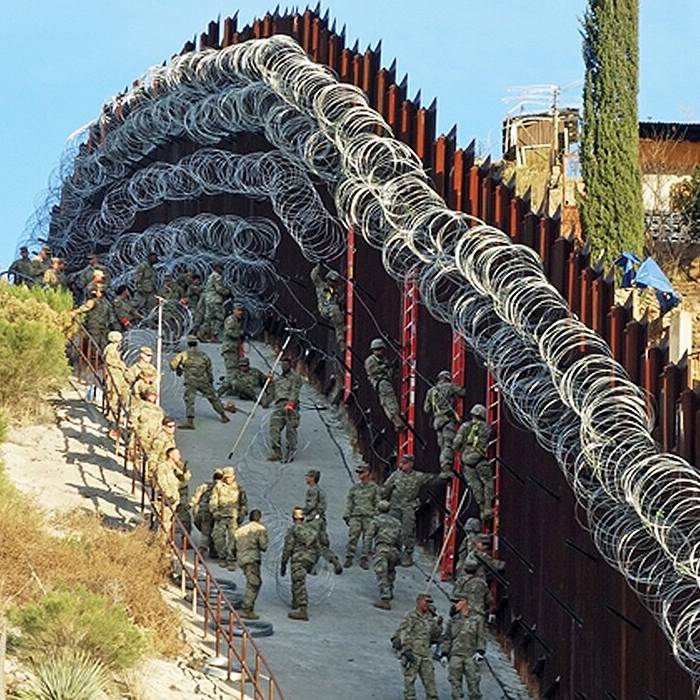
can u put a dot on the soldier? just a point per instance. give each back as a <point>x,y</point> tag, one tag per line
<point>87,274</point>
<point>224,504</point>
<point>248,384</point>
<point>402,488</point>
<point>471,585</point>
<point>329,301</point>
<point>169,290</point>
<point>464,644</point>
<point>164,440</point>
<point>472,528</point>
<point>472,441</point>
<point>183,279</point>
<point>194,291</point>
<point>315,511</point>
<point>287,388</point>
<point>97,281</point>
<point>40,263</point>
<point>418,631</point>
<point>54,277</point>
<point>168,486</point>
<point>114,375</point>
<point>144,383</point>
<point>251,542</point>
<point>123,308</point>
<point>145,284</point>
<point>203,519</point>
<point>149,421</point>
<point>21,269</point>
<point>232,341</point>
<point>302,548</point>
<point>99,316</point>
<point>143,363</point>
<point>380,373</point>
<point>360,508</point>
<point>196,368</point>
<point>384,536</point>
<point>439,403</point>
<point>215,294</point>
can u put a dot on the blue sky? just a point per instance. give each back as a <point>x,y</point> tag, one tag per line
<point>62,59</point>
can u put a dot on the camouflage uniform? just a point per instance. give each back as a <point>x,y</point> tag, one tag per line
<point>468,550</point>
<point>39,267</point>
<point>385,535</point>
<point>99,318</point>
<point>145,287</point>
<point>168,486</point>
<point>203,519</point>
<point>439,404</point>
<point>402,489</point>
<point>86,275</point>
<point>302,547</point>
<point>329,304</point>
<point>116,388</point>
<point>360,508</point>
<point>472,440</point>
<point>183,507</point>
<point>287,388</point>
<point>54,279</point>
<point>196,367</point>
<point>315,513</point>
<point>224,507</point>
<point>464,637</point>
<point>161,443</point>
<point>474,587</point>
<point>380,373</point>
<point>193,293</point>
<point>22,270</point>
<point>251,542</point>
<point>232,344</point>
<point>215,294</point>
<point>125,311</point>
<point>416,634</point>
<point>148,424</point>
<point>247,385</point>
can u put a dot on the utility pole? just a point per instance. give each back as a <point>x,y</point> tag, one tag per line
<point>159,350</point>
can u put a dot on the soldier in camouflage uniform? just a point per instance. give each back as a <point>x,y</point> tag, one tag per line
<point>402,489</point>
<point>169,290</point>
<point>232,341</point>
<point>97,282</point>
<point>193,291</point>
<point>329,301</point>
<point>40,263</point>
<point>380,374</point>
<point>98,318</point>
<point>418,631</point>
<point>315,511</point>
<point>87,274</point>
<point>470,584</point>
<point>203,519</point>
<point>251,542</point>
<point>161,443</point>
<point>168,486</point>
<point>196,368</point>
<point>144,363</point>
<point>54,277</point>
<point>472,441</point>
<point>21,269</point>
<point>384,535</point>
<point>114,374</point>
<point>215,294</point>
<point>360,508</point>
<point>224,507</point>
<point>124,310</point>
<point>464,644</point>
<point>287,388</point>
<point>149,420</point>
<point>145,284</point>
<point>439,403</point>
<point>248,384</point>
<point>302,549</point>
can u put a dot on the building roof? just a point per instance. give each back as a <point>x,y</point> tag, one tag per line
<point>676,131</point>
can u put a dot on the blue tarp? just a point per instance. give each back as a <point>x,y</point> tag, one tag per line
<point>648,276</point>
<point>627,261</point>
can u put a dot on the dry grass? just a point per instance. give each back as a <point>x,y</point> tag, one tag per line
<point>126,567</point>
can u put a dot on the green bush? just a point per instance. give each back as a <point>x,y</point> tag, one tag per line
<point>77,620</point>
<point>68,676</point>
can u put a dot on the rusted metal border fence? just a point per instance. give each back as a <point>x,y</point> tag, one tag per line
<point>230,633</point>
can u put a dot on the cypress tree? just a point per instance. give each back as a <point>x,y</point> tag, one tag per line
<point>612,211</point>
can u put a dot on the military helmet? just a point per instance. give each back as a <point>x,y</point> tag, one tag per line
<point>145,350</point>
<point>377,344</point>
<point>148,372</point>
<point>470,565</point>
<point>383,506</point>
<point>314,473</point>
<point>478,411</point>
<point>98,273</point>
<point>228,471</point>
<point>192,340</point>
<point>217,474</point>
<point>238,305</point>
<point>445,374</point>
<point>425,596</point>
<point>244,361</point>
<point>472,525</point>
<point>297,513</point>
<point>114,337</point>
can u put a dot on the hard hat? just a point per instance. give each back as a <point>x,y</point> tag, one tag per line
<point>228,471</point>
<point>478,411</point>
<point>298,513</point>
<point>192,340</point>
<point>114,337</point>
<point>377,344</point>
<point>383,506</point>
<point>472,525</point>
<point>445,374</point>
<point>145,350</point>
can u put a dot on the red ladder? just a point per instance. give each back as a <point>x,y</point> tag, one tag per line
<point>409,349</point>
<point>349,312</point>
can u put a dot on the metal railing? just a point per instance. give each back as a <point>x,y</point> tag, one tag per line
<point>232,638</point>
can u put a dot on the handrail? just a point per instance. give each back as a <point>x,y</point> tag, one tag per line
<point>257,672</point>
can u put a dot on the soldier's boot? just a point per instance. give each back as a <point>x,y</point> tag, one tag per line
<point>188,424</point>
<point>383,604</point>
<point>224,418</point>
<point>348,561</point>
<point>248,615</point>
<point>364,564</point>
<point>406,559</point>
<point>337,567</point>
<point>300,614</point>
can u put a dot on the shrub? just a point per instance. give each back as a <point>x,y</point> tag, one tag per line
<point>68,676</point>
<point>77,620</point>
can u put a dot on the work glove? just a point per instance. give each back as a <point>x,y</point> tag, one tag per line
<point>396,644</point>
<point>491,619</point>
<point>443,660</point>
<point>478,657</point>
<point>283,570</point>
<point>408,657</point>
